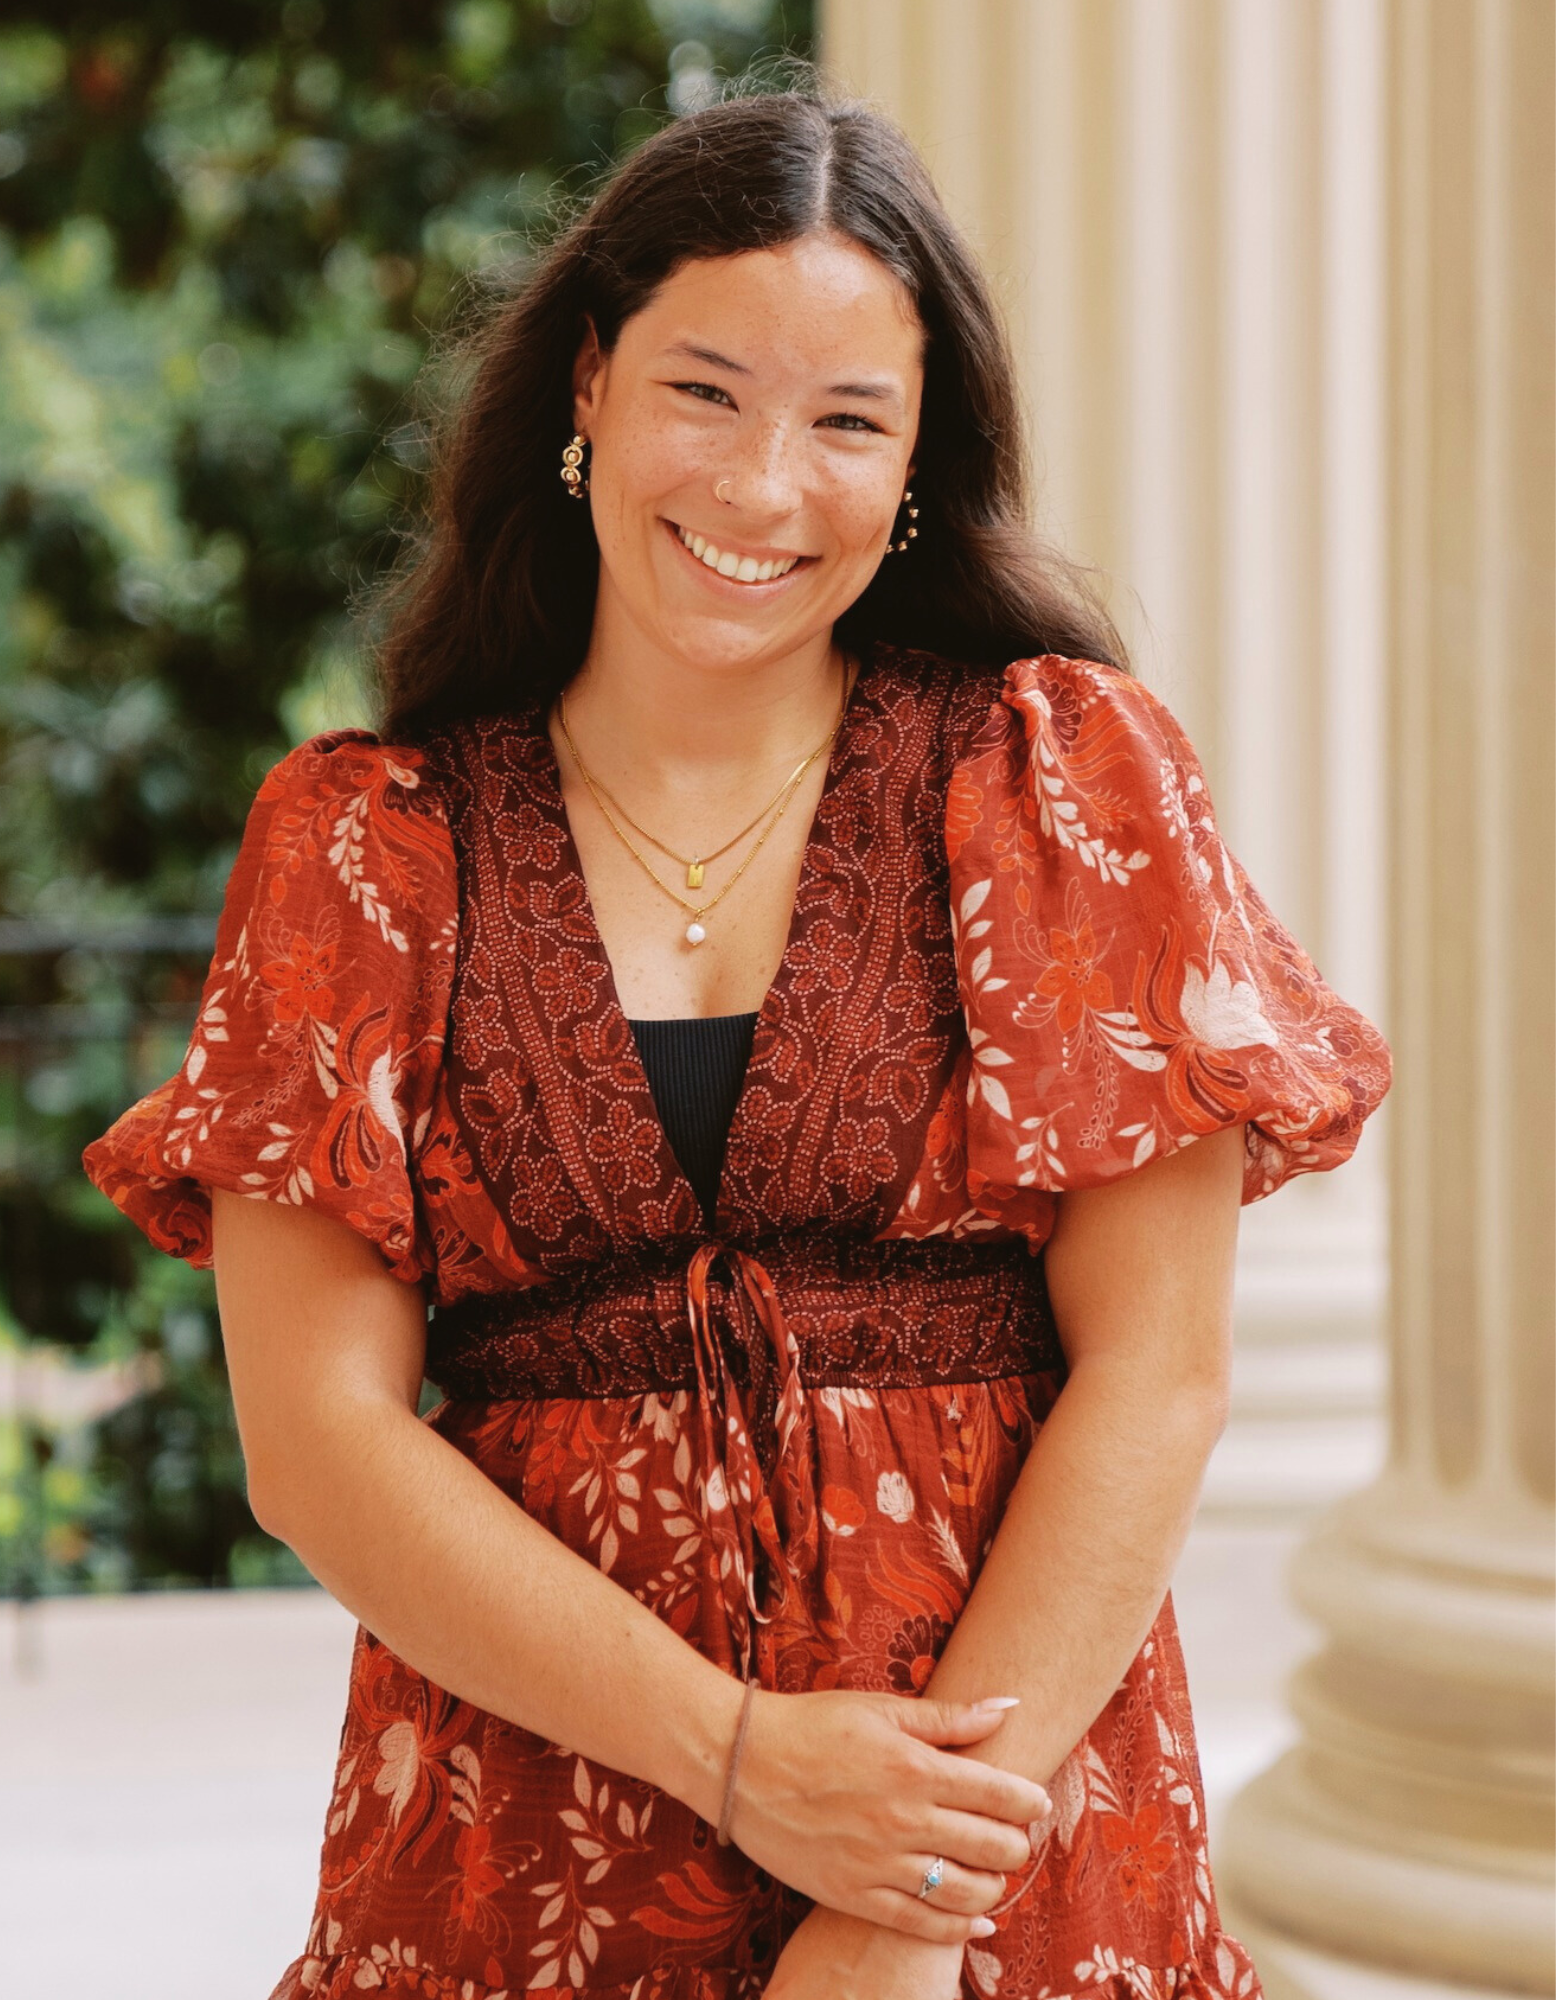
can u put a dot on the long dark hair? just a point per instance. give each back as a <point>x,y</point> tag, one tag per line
<point>493,602</point>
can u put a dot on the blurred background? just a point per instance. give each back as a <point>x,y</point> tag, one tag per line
<point>1279,277</point>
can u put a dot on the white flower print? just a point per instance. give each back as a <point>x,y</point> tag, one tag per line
<point>1222,1012</point>
<point>894,1496</point>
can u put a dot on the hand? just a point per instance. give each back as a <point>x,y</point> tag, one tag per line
<point>833,1957</point>
<point>845,1797</point>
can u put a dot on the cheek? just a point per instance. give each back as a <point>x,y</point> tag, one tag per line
<point>862,508</point>
<point>653,458</point>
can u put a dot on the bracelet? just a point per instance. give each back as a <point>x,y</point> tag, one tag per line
<point>726,1812</point>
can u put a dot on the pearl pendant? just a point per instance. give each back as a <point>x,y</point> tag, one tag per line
<point>695,933</point>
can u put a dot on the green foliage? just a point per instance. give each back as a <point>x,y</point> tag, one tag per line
<point>228,235</point>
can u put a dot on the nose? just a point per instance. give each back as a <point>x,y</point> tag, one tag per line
<point>761,478</point>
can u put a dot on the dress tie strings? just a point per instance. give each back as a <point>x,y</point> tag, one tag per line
<point>745,1517</point>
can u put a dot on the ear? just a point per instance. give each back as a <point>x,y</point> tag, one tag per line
<point>588,364</point>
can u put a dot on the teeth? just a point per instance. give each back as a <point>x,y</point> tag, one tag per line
<point>744,569</point>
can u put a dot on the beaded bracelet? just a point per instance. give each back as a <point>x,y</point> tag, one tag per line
<point>726,1812</point>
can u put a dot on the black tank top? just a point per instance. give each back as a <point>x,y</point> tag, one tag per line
<point>695,1068</point>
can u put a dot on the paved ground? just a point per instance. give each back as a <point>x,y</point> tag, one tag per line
<point>165,1763</point>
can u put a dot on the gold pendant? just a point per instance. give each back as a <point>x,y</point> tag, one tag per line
<point>694,874</point>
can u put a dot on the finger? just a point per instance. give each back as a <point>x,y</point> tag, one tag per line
<point>950,1721</point>
<point>915,1918</point>
<point>968,1786</point>
<point>976,1842</point>
<point>966,1892</point>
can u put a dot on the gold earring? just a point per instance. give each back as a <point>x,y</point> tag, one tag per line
<point>912,532</point>
<point>576,480</point>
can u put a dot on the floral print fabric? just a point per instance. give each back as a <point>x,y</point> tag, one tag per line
<point>1020,961</point>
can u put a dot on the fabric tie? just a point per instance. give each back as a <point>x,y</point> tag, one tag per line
<point>749,1518</point>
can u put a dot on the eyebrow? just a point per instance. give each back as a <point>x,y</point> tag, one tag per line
<point>879,392</point>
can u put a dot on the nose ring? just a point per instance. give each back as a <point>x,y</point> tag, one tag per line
<point>717,493</point>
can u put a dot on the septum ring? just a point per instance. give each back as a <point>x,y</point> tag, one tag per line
<point>718,495</point>
<point>933,1875</point>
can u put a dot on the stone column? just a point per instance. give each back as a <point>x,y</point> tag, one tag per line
<point>1179,202</point>
<point>1412,1826</point>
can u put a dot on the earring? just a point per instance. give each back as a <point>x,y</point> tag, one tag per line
<point>575,479</point>
<point>912,532</point>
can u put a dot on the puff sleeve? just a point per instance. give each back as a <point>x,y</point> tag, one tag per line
<point>310,1070</point>
<point>1126,988</point>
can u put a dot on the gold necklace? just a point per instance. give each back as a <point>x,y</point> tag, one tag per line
<point>695,930</point>
<point>696,864</point>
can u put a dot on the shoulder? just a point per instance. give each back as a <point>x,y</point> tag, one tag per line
<point>933,701</point>
<point>343,762</point>
<point>347,820</point>
<point>1054,712</point>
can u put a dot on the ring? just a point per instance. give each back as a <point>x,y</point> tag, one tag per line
<point>932,1877</point>
<point>718,495</point>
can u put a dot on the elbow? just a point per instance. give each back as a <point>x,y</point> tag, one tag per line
<point>265,1504</point>
<point>1205,1405</point>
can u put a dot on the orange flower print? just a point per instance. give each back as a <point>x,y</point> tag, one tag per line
<point>963,810</point>
<point>302,981</point>
<point>1073,977</point>
<point>1142,1853</point>
<point>478,1878</point>
<point>842,1510</point>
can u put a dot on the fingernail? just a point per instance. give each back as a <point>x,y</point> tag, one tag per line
<point>984,1927</point>
<point>1001,1701</point>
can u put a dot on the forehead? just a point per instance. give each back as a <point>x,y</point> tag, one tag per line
<point>819,303</point>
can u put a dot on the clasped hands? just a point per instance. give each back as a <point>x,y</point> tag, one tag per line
<point>848,1797</point>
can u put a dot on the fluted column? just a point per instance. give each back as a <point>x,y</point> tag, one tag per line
<point>1413,1824</point>
<point>1179,202</point>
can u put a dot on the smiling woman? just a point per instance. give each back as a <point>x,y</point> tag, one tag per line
<point>793,1017</point>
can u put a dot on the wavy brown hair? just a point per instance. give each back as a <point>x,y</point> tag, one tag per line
<point>492,603</point>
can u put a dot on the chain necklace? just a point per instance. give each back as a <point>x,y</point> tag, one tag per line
<point>695,930</point>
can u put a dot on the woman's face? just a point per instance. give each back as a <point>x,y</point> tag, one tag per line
<point>790,380</point>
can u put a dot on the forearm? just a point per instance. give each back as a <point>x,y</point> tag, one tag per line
<point>1081,1561</point>
<point>468,1589</point>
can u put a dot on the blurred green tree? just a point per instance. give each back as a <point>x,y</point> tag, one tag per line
<point>228,235</point>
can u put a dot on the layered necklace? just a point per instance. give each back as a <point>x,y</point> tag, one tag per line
<point>696,864</point>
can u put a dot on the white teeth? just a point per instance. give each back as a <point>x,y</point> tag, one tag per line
<point>744,569</point>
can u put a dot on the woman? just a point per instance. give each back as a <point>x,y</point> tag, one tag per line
<point>768,918</point>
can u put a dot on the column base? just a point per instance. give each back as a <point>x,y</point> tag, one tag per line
<point>1291,1970</point>
<point>1311,1877</point>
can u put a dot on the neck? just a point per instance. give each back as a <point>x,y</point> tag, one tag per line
<point>674,723</point>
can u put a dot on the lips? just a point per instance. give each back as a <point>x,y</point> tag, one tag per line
<point>743,570</point>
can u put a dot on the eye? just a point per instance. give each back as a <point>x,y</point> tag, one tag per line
<point>705,391</point>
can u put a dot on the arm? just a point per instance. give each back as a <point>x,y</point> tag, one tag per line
<point>325,1351</point>
<point>1140,1277</point>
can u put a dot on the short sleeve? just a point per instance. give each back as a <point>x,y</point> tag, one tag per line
<point>1126,988</point>
<point>310,1071</point>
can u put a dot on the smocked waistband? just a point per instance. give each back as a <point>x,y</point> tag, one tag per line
<point>862,1313</point>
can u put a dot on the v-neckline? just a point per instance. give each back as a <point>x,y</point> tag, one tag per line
<point>593,941</point>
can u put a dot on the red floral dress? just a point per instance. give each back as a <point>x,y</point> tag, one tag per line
<point>1021,960</point>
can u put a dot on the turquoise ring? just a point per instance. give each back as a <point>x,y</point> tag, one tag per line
<point>933,1876</point>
